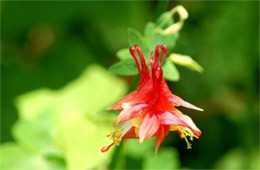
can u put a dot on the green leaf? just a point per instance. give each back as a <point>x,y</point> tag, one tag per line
<point>153,37</point>
<point>123,54</point>
<point>70,118</point>
<point>158,39</point>
<point>81,96</point>
<point>126,67</point>
<point>36,135</point>
<point>135,37</point>
<point>164,20</point>
<point>30,136</point>
<point>82,141</point>
<point>32,104</point>
<point>166,159</point>
<point>185,61</point>
<point>170,72</point>
<point>149,29</point>
<point>165,31</point>
<point>95,90</point>
<point>15,157</point>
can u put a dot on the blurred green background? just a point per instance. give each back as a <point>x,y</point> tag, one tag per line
<point>54,57</point>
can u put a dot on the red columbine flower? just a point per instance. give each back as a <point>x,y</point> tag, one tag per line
<point>151,109</point>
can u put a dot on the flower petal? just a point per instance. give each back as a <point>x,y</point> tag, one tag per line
<point>168,118</point>
<point>130,134</point>
<point>176,100</point>
<point>130,111</point>
<point>149,127</point>
<point>142,94</point>
<point>162,132</point>
<point>180,102</point>
<point>191,124</point>
<point>118,105</point>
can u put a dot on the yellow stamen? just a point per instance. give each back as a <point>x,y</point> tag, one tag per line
<point>184,133</point>
<point>119,131</point>
<point>188,143</point>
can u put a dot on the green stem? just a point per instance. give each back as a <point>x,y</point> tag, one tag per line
<point>117,158</point>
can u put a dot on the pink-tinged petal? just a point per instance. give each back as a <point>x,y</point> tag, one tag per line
<point>118,105</point>
<point>161,134</point>
<point>130,112</point>
<point>191,124</point>
<point>176,100</point>
<point>149,127</point>
<point>180,102</point>
<point>168,118</point>
<point>142,94</point>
